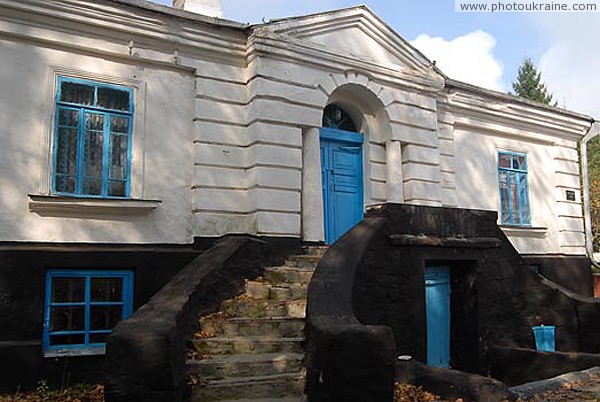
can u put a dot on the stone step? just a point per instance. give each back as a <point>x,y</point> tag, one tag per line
<point>278,327</point>
<point>245,365</point>
<point>264,308</point>
<point>315,250</point>
<point>309,261</point>
<point>287,274</point>
<point>258,387</point>
<point>262,290</point>
<point>246,345</point>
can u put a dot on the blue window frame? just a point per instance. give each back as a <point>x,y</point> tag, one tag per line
<point>92,139</point>
<point>514,189</point>
<point>82,307</point>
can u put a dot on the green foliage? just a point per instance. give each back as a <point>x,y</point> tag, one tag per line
<point>593,153</point>
<point>529,84</point>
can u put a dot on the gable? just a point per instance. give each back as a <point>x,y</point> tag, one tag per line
<point>356,33</point>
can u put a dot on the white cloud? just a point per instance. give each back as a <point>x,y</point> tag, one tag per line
<point>467,58</point>
<point>570,66</point>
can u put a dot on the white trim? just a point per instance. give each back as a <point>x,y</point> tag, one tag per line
<point>524,231</point>
<point>50,204</point>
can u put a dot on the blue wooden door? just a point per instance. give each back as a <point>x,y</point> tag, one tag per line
<point>341,172</point>
<point>437,302</point>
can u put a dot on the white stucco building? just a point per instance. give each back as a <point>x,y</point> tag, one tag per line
<point>127,124</point>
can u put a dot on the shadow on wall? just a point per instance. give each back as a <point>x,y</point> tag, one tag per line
<point>382,285</point>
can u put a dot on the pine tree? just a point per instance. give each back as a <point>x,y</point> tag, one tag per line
<point>529,84</point>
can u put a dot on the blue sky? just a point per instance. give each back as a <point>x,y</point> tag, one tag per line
<point>480,48</point>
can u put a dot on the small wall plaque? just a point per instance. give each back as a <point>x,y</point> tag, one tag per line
<point>570,195</point>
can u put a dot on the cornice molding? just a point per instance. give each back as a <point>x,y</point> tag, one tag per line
<point>118,24</point>
<point>504,114</point>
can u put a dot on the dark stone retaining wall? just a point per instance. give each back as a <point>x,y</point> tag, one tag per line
<point>146,353</point>
<point>346,360</point>
<point>453,384</point>
<point>573,272</point>
<point>517,366</point>
<point>487,302</point>
<point>496,296</point>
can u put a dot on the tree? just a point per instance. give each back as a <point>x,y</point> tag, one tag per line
<point>529,84</point>
<point>593,154</point>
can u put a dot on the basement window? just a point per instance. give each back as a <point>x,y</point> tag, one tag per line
<point>514,189</point>
<point>81,309</point>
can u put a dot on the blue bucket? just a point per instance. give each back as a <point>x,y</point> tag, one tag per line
<point>545,338</point>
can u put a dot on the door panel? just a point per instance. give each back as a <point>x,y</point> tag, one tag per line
<point>341,171</point>
<point>437,302</point>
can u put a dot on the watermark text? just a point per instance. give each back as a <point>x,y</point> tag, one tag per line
<point>495,6</point>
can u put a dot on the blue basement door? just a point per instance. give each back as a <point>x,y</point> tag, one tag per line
<point>341,172</point>
<point>437,303</point>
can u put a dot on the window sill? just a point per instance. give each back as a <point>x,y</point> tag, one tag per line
<point>525,231</point>
<point>101,350</point>
<point>53,204</point>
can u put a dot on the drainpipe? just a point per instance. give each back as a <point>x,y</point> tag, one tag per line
<point>587,210</point>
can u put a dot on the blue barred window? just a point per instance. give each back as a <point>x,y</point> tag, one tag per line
<point>514,189</point>
<point>92,139</point>
<point>82,307</point>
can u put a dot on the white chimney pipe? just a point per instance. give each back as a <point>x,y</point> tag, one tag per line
<point>211,8</point>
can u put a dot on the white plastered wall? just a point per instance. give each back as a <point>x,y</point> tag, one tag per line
<point>556,224</point>
<point>272,130</point>
<point>226,132</point>
<point>162,164</point>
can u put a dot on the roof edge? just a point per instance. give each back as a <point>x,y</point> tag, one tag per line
<point>451,83</point>
<point>159,8</point>
<point>315,14</point>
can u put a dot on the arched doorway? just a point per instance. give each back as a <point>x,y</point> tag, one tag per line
<point>341,172</point>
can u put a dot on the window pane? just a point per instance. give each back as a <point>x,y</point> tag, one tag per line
<point>524,199</point>
<point>111,98</point>
<point>119,124</point>
<point>70,318</point>
<point>504,160</point>
<point>93,154</point>
<point>66,151</point>
<point>68,290</point>
<point>68,117</point>
<point>77,93</point>
<point>105,317</point>
<point>92,186</point>
<point>106,289</point>
<point>66,184</point>
<point>117,188</point>
<point>98,338</point>
<point>66,340</point>
<point>514,199</point>
<point>336,117</point>
<point>504,201</point>
<point>118,156</point>
<point>519,162</point>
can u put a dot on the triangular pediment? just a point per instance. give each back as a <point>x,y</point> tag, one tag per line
<point>354,32</point>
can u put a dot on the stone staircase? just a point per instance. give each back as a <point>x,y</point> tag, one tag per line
<point>251,349</point>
